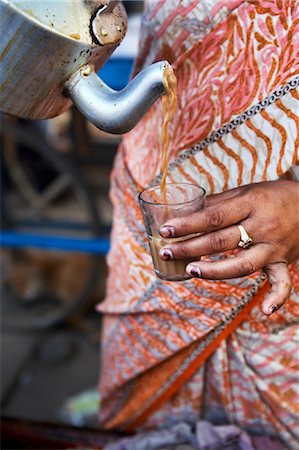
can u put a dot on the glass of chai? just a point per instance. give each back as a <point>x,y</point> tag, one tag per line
<point>179,199</point>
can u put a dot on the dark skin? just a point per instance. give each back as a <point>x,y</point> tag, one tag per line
<point>269,212</point>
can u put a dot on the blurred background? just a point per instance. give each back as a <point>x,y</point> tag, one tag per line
<point>55,226</point>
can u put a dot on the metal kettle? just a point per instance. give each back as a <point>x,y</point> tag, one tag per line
<point>50,52</point>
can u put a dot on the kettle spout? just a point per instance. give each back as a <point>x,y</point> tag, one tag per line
<point>116,112</point>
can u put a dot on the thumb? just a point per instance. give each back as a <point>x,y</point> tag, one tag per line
<point>281,286</point>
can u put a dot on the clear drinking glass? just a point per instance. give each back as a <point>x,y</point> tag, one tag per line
<point>182,199</point>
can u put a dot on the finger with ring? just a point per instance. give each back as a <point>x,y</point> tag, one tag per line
<point>206,244</point>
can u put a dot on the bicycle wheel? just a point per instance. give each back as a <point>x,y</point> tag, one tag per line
<point>46,194</point>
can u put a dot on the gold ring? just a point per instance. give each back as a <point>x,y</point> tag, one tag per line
<point>245,240</point>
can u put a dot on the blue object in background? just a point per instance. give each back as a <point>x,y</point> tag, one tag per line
<point>13,239</point>
<point>116,72</point>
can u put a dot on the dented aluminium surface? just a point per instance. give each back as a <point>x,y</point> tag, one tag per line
<point>43,43</point>
<point>50,52</point>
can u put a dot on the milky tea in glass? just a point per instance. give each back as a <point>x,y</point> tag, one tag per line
<point>179,199</point>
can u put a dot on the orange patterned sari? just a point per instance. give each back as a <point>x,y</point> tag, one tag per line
<point>200,348</point>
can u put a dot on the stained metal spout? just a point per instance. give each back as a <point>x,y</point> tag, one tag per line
<point>116,112</point>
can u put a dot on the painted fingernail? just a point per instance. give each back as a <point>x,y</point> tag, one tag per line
<point>167,231</point>
<point>166,254</point>
<point>273,308</point>
<point>193,271</point>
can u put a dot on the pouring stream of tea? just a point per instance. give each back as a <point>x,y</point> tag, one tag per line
<point>169,101</point>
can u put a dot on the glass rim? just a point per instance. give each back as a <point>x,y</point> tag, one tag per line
<point>199,196</point>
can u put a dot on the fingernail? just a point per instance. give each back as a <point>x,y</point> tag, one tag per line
<point>273,308</point>
<point>166,254</point>
<point>167,231</point>
<point>193,271</point>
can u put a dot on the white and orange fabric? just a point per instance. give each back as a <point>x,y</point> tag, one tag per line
<point>203,348</point>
